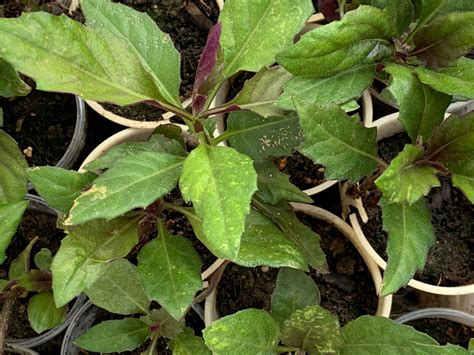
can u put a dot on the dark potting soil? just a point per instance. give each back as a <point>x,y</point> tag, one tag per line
<point>303,172</point>
<point>42,123</point>
<point>449,261</point>
<point>444,331</point>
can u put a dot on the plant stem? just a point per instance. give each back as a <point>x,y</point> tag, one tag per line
<point>152,346</point>
<point>342,4</point>
<point>11,298</point>
<point>220,138</point>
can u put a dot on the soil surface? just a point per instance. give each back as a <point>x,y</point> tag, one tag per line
<point>449,261</point>
<point>444,331</point>
<point>303,172</point>
<point>42,123</point>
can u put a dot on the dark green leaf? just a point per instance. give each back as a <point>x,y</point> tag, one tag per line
<point>43,313</point>
<point>169,327</point>
<point>402,14</point>
<point>463,177</point>
<point>21,265</point>
<point>10,82</point>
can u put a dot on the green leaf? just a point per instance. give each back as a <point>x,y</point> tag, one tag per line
<point>114,336</point>
<point>35,281</point>
<point>338,88</point>
<point>10,82</point>
<point>361,38</point>
<point>402,14</point>
<point>274,185</point>
<point>294,290</point>
<point>252,331</point>
<point>43,313</point>
<point>83,254</point>
<point>339,142</point>
<point>119,290</point>
<point>263,243</point>
<point>171,261</point>
<point>21,265</point>
<point>61,54</point>
<point>3,284</point>
<point>59,187</point>
<point>421,107</point>
<point>187,343</point>
<point>153,47</point>
<point>369,335</point>
<point>463,177</point>
<point>307,241</point>
<point>10,215</point>
<point>43,259</point>
<point>442,42</point>
<point>260,137</point>
<point>146,176</point>
<point>250,39</point>
<point>410,235</point>
<point>457,80</point>
<point>403,180</point>
<point>220,182</point>
<point>260,92</point>
<point>428,10</point>
<point>314,330</point>
<point>169,327</point>
<point>13,178</point>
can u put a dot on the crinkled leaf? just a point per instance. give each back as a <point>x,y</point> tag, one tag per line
<point>403,180</point>
<point>445,39</point>
<point>338,88</point>
<point>13,177</point>
<point>359,39</point>
<point>274,185</point>
<point>263,243</point>
<point>43,259</point>
<point>294,290</point>
<point>187,343</point>
<point>59,187</point>
<point>119,290</point>
<point>260,137</point>
<point>421,107</point>
<point>21,265</point>
<point>457,80</point>
<point>35,281</point>
<point>314,330</point>
<point>410,235</point>
<point>260,92</point>
<point>145,176</point>
<point>153,47</point>
<point>339,142</point>
<point>220,182</point>
<point>252,331</point>
<point>114,336</point>
<point>10,215</point>
<point>43,313</point>
<point>463,177</point>
<point>83,254</point>
<point>369,335</point>
<point>63,55</point>
<point>171,261</point>
<point>250,39</point>
<point>10,82</point>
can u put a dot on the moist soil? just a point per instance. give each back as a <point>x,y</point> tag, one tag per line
<point>42,123</point>
<point>449,261</point>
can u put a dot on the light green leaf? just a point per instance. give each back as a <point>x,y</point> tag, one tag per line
<point>410,235</point>
<point>274,185</point>
<point>63,55</point>
<point>361,38</point>
<point>13,178</point>
<point>421,107</point>
<point>146,176</point>
<point>43,259</point>
<point>260,137</point>
<point>119,290</point>
<point>220,182</point>
<point>260,92</point>
<point>250,39</point>
<point>187,343</point>
<point>153,47</point>
<point>263,243</point>
<point>457,80</point>
<point>114,336</point>
<point>10,82</point>
<point>59,187</point>
<point>171,261</point>
<point>43,313</point>
<point>83,254</point>
<point>403,180</point>
<point>314,330</point>
<point>369,335</point>
<point>10,215</point>
<point>339,142</point>
<point>294,290</point>
<point>251,331</point>
<point>338,88</point>
<point>21,265</point>
<point>442,42</point>
<point>463,177</point>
